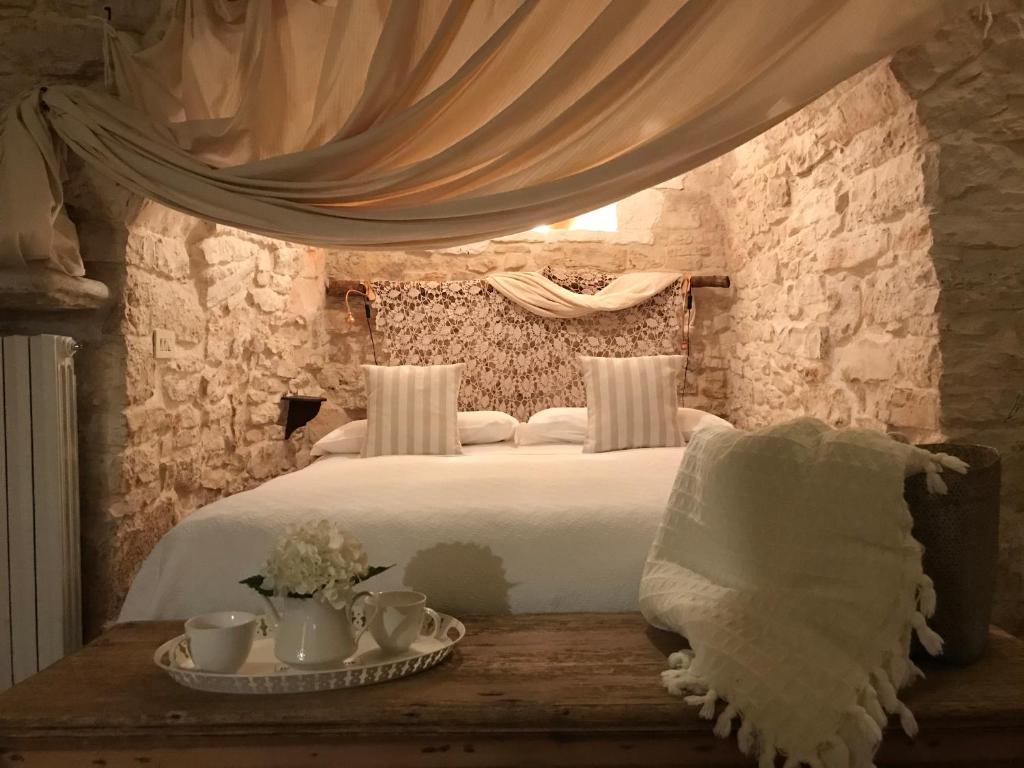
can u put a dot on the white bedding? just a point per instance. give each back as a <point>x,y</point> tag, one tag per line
<point>498,529</point>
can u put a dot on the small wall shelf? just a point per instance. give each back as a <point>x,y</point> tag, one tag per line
<point>299,410</point>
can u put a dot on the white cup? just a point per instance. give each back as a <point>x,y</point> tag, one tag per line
<point>395,619</point>
<point>220,642</point>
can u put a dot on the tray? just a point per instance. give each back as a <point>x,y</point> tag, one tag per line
<point>263,673</point>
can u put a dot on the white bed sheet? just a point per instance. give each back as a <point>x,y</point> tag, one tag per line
<point>498,529</point>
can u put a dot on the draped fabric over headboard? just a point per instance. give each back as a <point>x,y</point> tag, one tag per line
<point>516,361</point>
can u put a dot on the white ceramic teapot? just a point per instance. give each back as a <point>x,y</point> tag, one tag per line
<point>313,633</point>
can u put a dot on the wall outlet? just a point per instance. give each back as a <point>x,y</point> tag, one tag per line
<point>163,343</point>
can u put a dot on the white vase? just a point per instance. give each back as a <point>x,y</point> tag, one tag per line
<point>312,633</point>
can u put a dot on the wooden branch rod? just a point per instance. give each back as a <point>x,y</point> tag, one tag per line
<point>710,281</point>
<point>340,287</point>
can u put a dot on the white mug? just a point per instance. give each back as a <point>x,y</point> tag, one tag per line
<point>395,619</point>
<point>221,641</point>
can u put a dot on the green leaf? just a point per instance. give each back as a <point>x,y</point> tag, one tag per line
<point>372,571</point>
<point>256,583</point>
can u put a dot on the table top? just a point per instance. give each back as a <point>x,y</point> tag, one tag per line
<point>547,676</point>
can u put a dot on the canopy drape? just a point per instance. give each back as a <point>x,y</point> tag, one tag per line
<point>537,294</point>
<point>414,124</point>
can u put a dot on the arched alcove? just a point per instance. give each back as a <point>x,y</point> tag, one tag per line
<point>874,240</point>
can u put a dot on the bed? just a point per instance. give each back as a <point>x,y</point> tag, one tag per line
<point>498,529</point>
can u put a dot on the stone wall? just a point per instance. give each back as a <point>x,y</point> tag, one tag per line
<point>247,314</point>
<point>968,84</point>
<point>251,323</point>
<point>675,226</point>
<point>828,243</point>
<point>61,40</point>
<point>875,241</point>
<point>161,437</point>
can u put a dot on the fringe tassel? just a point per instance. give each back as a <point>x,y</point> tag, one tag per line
<point>767,757</point>
<point>928,637</point>
<point>861,749</point>
<point>723,726</point>
<point>745,737</point>
<point>886,691</point>
<point>933,480</point>
<point>835,754</point>
<point>865,725</point>
<point>869,700</point>
<point>907,720</point>
<point>706,703</point>
<point>872,707</point>
<point>680,659</point>
<point>913,673</point>
<point>926,596</point>
<point>680,681</point>
<point>897,667</point>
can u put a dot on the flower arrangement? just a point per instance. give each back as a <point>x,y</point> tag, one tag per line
<point>317,559</point>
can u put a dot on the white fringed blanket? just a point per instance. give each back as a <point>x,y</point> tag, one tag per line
<point>786,558</point>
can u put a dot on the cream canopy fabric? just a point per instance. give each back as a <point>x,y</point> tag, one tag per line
<point>401,124</point>
<point>539,295</point>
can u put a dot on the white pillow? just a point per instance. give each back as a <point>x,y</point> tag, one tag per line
<point>693,420</point>
<point>554,425</point>
<point>569,425</point>
<point>481,427</point>
<point>412,410</point>
<point>475,428</point>
<point>631,402</point>
<point>348,438</point>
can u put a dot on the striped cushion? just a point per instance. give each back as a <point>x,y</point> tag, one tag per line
<point>631,402</point>
<point>412,409</point>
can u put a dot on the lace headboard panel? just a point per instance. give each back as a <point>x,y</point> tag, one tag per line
<point>516,361</point>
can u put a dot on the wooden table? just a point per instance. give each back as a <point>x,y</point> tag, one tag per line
<point>542,690</point>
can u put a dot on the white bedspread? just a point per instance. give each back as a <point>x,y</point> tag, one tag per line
<point>539,528</point>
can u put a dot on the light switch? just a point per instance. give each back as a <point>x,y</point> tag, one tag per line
<point>163,343</point>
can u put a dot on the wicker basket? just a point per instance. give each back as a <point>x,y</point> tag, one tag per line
<point>960,534</point>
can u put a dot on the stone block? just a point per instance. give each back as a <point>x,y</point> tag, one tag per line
<point>166,257</point>
<point>892,188</point>
<point>869,358</point>
<point>967,164</point>
<point>265,413</point>
<point>226,248</point>
<point>802,340</point>
<point>153,302</point>
<point>180,386</point>
<point>914,408</point>
<point>871,101</point>
<point>154,218</point>
<point>228,281</point>
<point>843,294</point>
<point>268,299</point>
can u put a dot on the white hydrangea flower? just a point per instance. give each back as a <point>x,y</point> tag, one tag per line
<point>318,559</point>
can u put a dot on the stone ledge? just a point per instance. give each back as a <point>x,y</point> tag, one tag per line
<point>44,289</point>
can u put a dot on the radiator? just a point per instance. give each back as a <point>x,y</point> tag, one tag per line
<point>40,581</point>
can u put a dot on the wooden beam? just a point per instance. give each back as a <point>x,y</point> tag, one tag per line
<point>710,281</point>
<point>340,287</point>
